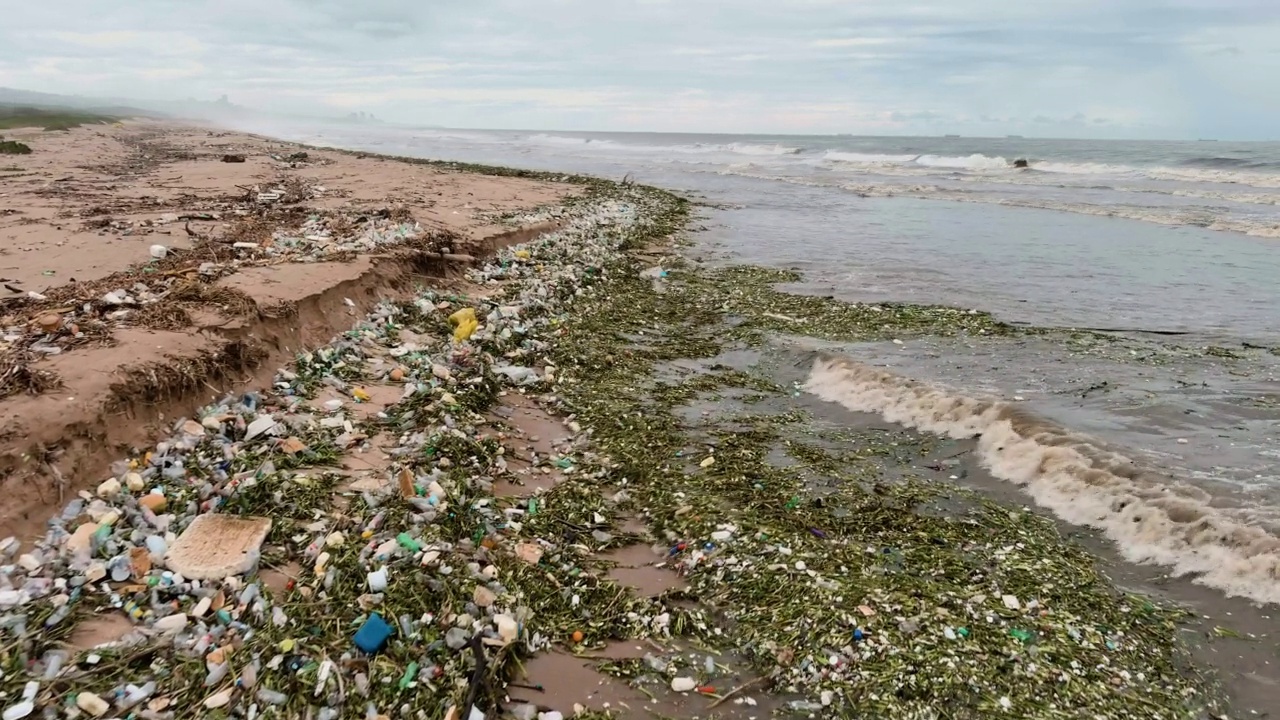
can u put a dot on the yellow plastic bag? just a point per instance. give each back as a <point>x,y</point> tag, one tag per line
<point>464,323</point>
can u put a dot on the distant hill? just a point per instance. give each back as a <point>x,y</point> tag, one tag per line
<point>48,101</point>
<point>124,107</point>
<point>52,118</point>
<point>221,111</point>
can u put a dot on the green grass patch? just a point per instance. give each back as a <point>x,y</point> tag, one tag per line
<point>20,116</point>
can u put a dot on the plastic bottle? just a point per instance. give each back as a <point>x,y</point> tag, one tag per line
<point>271,697</point>
<point>202,645</point>
<point>409,674</point>
<point>135,694</point>
<point>53,661</point>
<point>216,674</point>
<point>58,616</point>
<point>249,676</point>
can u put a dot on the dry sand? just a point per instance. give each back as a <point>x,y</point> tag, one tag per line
<point>78,218</point>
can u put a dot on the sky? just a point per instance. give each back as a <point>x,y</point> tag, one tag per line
<point>1046,68</point>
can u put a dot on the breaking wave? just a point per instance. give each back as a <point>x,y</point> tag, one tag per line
<point>868,158</point>
<point>693,148</point>
<point>1229,163</point>
<point>1151,519</point>
<point>976,161</point>
<point>1174,216</point>
<point>1228,171</point>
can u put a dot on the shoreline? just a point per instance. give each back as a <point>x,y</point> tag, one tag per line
<point>581,424</point>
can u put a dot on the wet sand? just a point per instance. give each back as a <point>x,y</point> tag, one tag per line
<point>81,216</point>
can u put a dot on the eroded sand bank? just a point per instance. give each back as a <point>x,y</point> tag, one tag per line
<point>263,256</point>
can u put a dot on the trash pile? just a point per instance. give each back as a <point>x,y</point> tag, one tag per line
<point>262,579</point>
<point>322,236</point>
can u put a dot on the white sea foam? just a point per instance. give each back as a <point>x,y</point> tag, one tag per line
<point>968,162</point>
<point>690,149</point>
<point>1214,176</point>
<point>1209,218</point>
<point>975,161</point>
<point>984,164</point>
<point>1197,216</point>
<point>867,158</point>
<point>1066,168</point>
<point>1152,519</point>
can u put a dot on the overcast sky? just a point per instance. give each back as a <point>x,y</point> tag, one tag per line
<point>1083,68</point>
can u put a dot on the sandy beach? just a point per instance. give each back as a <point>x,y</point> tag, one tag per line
<point>291,432</point>
<point>81,216</point>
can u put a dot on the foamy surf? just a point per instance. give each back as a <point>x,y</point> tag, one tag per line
<point>604,145</point>
<point>1152,519</point>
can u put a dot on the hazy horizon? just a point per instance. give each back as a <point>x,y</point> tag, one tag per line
<point>249,119</point>
<point>1078,69</point>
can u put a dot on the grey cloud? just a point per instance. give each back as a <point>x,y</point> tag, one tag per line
<point>800,66</point>
<point>899,116</point>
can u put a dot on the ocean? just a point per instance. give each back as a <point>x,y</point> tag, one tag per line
<point>1164,438</point>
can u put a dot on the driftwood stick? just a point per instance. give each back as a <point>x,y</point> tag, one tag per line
<point>737,690</point>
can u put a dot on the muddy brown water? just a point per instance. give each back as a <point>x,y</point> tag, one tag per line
<point>569,680</point>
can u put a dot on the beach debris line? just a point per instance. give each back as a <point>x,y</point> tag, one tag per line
<point>421,574</point>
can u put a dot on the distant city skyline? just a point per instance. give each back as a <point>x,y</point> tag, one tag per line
<point>1179,69</point>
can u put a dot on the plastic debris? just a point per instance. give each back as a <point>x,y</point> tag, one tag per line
<point>683,684</point>
<point>18,711</point>
<point>373,635</point>
<point>464,324</point>
<point>92,704</point>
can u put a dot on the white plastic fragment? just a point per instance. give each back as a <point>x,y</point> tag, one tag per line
<point>260,425</point>
<point>508,629</point>
<point>92,704</point>
<point>109,488</point>
<point>171,623</point>
<point>218,699</point>
<point>18,711</point>
<point>683,684</point>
